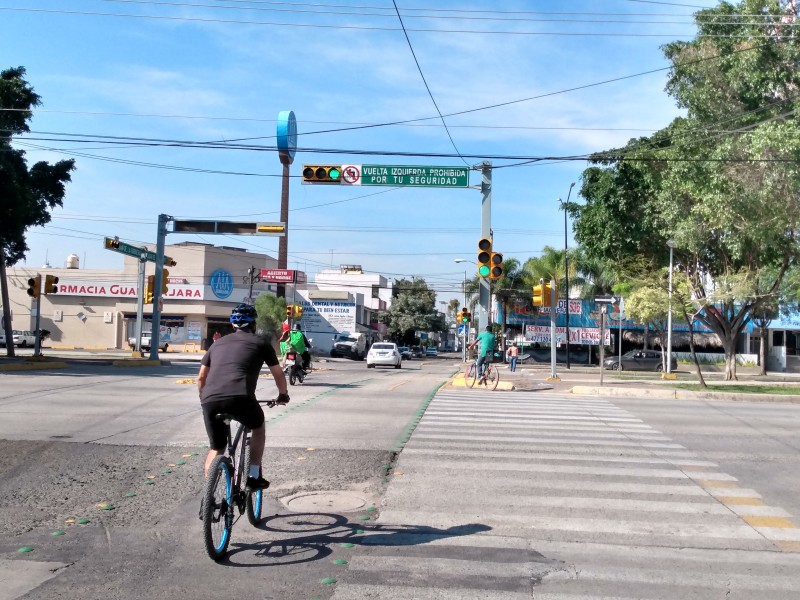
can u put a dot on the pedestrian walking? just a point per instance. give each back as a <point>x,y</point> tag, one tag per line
<point>513,354</point>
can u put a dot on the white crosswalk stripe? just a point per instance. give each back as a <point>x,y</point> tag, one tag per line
<point>511,495</point>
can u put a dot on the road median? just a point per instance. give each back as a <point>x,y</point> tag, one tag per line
<point>679,394</point>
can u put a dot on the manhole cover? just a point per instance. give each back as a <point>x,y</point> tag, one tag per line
<point>324,502</point>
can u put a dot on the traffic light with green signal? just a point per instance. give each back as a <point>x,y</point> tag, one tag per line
<point>485,257</point>
<point>322,174</point>
<point>464,316</point>
<point>34,286</point>
<point>50,284</point>
<point>149,289</point>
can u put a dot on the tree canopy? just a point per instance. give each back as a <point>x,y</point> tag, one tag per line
<point>413,309</point>
<point>721,182</point>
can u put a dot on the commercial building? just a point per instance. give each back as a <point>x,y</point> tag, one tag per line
<point>97,308</point>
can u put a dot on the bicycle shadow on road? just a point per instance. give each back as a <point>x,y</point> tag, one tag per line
<point>307,537</point>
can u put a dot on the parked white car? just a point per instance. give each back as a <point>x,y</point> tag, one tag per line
<point>24,339</point>
<point>384,353</point>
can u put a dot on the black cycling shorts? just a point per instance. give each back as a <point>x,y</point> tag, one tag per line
<point>245,410</point>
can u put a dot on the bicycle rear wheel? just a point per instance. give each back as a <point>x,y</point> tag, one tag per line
<point>471,375</point>
<point>218,507</point>
<point>492,378</point>
<point>254,499</point>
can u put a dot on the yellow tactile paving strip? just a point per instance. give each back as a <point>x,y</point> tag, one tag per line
<point>782,532</point>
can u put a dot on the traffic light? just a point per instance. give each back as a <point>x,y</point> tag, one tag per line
<point>289,311</point>
<point>551,290</point>
<point>322,174</point>
<point>538,294</point>
<point>170,262</point>
<point>485,257</point>
<point>149,289</point>
<point>464,316</point>
<point>164,288</point>
<point>112,243</point>
<point>496,263</point>
<point>34,286</point>
<point>542,294</point>
<point>297,312</point>
<point>50,286</point>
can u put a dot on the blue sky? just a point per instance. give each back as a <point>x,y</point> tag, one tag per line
<point>222,70</point>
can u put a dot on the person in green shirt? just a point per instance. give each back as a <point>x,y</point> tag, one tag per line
<point>487,340</point>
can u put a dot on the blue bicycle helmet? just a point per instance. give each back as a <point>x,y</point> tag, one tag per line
<point>243,315</point>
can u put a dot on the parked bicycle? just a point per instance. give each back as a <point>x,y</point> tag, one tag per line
<point>489,379</point>
<point>226,490</point>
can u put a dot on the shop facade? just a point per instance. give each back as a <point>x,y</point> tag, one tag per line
<point>96,309</point>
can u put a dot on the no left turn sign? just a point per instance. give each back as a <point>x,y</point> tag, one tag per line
<point>351,174</point>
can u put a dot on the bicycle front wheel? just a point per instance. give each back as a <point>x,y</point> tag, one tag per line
<point>471,375</point>
<point>218,507</point>
<point>492,378</point>
<point>254,499</point>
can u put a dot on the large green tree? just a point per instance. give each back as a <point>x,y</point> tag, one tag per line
<point>27,195</point>
<point>722,182</point>
<point>413,309</point>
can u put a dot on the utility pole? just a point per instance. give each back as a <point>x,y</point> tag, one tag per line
<point>484,292</point>
<point>252,277</point>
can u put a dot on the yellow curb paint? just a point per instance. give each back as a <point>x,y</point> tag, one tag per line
<point>778,522</point>
<point>172,465</point>
<point>740,501</point>
<point>186,381</point>
<point>302,458</point>
<point>786,546</point>
<point>713,483</point>
<point>34,366</point>
<point>310,449</point>
<point>137,363</point>
<point>186,455</point>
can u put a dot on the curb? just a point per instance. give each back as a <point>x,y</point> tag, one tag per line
<point>39,366</point>
<point>682,394</point>
<point>458,381</point>
<point>137,362</point>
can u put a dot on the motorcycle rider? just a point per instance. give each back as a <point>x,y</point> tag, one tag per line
<point>301,343</point>
<point>295,338</point>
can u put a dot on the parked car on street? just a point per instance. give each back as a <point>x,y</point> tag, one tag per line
<point>24,339</point>
<point>405,352</point>
<point>638,360</point>
<point>417,352</point>
<point>431,352</point>
<point>384,353</point>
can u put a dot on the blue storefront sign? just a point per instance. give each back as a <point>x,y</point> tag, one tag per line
<point>221,283</point>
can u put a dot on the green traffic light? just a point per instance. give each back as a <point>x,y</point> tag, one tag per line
<point>484,270</point>
<point>334,174</point>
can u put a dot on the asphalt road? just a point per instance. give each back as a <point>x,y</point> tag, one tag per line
<point>86,436</point>
<point>495,495</point>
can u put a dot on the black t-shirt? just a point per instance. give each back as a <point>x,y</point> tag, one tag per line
<point>234,363</point>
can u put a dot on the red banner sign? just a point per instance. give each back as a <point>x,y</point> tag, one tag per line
<point>278,275</point>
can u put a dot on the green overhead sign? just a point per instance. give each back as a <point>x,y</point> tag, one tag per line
<point>406,175</point>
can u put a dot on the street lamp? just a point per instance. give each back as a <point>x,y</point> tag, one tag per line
<point>566,267</point>
<point>671,244</point>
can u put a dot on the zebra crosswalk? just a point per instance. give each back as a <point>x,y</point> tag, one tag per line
<point>510,495</point>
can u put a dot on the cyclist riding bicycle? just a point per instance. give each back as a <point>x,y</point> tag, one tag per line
<point>227,384</point>
<point>487,340</point>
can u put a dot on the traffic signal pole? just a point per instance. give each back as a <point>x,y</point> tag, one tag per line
<point>155,328</point>
<point>140,304</point>
<point>283,242</point>
<point>484,292</point>
<point>37,344</point>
